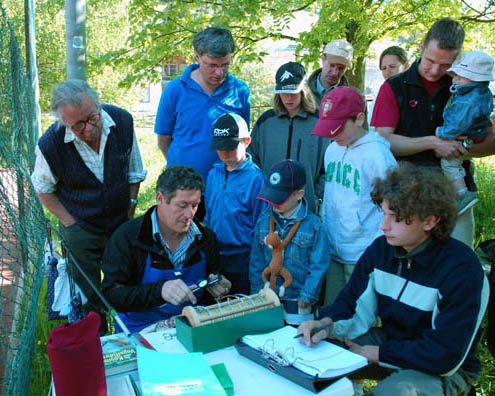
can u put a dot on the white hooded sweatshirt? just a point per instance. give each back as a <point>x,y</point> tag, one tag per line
<point>351,219</point>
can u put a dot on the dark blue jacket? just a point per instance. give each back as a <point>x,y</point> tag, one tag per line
<point>468,111</point>
<point>97,207</point>
<point>430,305</point>
<point>232,209</point>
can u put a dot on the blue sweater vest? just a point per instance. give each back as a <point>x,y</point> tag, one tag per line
<point>97,207</point>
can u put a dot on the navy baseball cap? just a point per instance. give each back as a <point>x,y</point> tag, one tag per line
<point>289,78</point>
<point>284,178</point>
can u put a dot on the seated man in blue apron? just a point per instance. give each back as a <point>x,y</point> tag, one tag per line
<point>152,263</point>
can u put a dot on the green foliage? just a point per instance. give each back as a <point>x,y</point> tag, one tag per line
<point>107,28</point>
<point>261,80</point>
<point>161,30</point>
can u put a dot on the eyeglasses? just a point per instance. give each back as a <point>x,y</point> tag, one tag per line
<point>81,125</point>
<point>212,67</point>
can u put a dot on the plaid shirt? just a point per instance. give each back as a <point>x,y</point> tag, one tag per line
<point>45,182</point>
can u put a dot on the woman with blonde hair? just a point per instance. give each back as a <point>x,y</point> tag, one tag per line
<point>284,132</point>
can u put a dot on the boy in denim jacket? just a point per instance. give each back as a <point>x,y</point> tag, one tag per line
<point>306,255</point>
<point>467,114</point>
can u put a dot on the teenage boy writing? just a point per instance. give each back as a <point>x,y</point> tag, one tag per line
<point>230,199</point>
<point>428,289</point>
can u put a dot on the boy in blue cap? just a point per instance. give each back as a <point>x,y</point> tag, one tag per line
<point>230,199</point>
<point>305,254</point>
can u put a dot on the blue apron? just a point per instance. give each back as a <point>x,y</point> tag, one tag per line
<point>136,321</point>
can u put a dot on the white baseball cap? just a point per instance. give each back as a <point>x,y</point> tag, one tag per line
<point>339,51</point>
<point>474,65</point>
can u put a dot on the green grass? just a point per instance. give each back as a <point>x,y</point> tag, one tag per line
<point>154,163</point>
<point>484,211</point>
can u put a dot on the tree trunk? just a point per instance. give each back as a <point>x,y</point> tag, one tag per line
<point>356,76</point>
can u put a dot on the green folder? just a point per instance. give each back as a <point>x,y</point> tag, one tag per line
<point>176,374</point>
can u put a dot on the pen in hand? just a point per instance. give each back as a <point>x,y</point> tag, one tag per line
<point>316,330</point>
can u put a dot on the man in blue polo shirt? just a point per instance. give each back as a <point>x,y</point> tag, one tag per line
<point>191,103</point>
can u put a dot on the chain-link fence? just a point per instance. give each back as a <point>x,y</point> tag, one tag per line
<point>22,230</point>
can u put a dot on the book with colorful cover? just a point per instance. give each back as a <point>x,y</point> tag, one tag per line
<point>119,355</point>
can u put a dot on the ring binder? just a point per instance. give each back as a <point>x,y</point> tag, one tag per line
<point>314,384</point>
<point>313,368</point>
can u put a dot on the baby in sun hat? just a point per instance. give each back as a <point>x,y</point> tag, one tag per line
<point>467,114</point>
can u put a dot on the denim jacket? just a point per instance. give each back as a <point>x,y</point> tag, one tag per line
<point>307,256</point>
<point>467,112</point>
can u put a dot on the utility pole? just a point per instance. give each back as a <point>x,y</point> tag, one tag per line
<point>75,29</point>
<point>32,69</point>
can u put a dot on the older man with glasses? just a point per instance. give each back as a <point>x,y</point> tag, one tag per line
<point>87,173</point>
<point>191,103</point>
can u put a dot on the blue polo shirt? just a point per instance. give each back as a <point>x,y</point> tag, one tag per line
<point>187,113</point>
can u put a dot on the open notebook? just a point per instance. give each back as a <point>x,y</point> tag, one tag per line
<point>324,360</point>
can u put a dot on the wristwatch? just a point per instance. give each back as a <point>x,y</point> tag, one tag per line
<point>133,201</point>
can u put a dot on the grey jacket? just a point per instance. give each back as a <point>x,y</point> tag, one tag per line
<point>276,137</point>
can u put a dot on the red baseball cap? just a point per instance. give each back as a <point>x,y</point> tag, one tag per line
<point>336,108</point>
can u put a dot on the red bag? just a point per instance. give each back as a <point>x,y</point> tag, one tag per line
<point>76,359</point>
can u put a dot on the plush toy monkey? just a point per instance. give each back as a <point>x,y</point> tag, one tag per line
<point>276,266</point>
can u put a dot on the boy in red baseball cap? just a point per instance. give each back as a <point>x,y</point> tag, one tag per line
<point>352,162</point>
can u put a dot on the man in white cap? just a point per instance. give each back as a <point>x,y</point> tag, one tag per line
<point>335,60</point>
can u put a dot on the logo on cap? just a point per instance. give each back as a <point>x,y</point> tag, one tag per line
<point>334,131</point>
<point>275,178</point>
<point>287,74</point>
<point>221,132</point>
<point>327,106</point>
